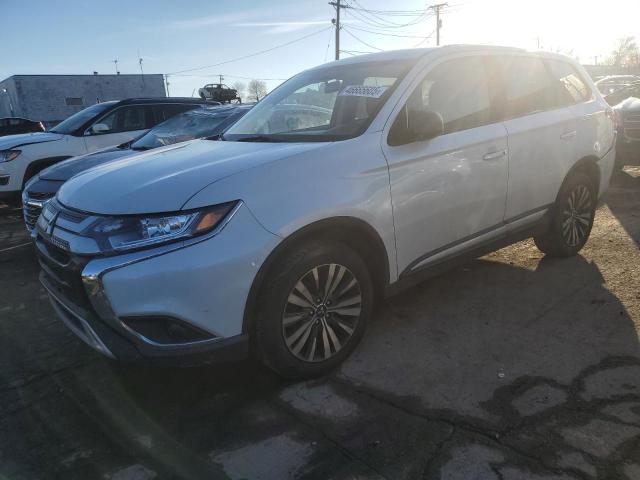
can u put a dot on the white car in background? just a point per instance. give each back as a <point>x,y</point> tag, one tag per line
<point>96,127</point>
<point>278,238</point>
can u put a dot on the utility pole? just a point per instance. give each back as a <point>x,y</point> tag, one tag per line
<point>221,78</point>
<point>339,6</point>
<point>116,64</point>
<point>437,8</point>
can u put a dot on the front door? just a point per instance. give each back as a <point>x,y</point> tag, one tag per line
<point>449,192</point>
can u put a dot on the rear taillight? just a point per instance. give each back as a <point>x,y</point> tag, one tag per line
<point>614,115</point>
<point>41,126</point>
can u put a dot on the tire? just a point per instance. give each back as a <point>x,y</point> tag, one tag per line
<point>571,218</point>
<point>301,331</point>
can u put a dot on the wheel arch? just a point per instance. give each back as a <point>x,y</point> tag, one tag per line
<point>354,232</point>
<point>589,166</point>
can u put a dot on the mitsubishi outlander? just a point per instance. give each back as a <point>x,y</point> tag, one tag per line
<point>347,182</point>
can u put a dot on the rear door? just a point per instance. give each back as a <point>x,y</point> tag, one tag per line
<point>449,192</point>
<point>119,126</point>
<point>542,133</point>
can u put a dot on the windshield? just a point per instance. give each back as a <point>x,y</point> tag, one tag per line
<point>203,122</point>
<point>76,120</point>
<point>324,104</point>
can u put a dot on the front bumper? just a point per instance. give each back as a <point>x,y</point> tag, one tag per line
<point>11,175</point>
<point>203,284</point>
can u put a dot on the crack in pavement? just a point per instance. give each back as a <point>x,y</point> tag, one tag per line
<point>510,432</point>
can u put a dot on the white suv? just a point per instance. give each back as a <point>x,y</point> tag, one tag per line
<point>345,183</point>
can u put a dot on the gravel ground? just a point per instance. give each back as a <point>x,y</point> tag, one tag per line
<point>513,366</point>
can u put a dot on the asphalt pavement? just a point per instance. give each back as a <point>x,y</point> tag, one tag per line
<point>511,367</point>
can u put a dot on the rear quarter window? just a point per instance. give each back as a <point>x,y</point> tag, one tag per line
<point>571,87</point>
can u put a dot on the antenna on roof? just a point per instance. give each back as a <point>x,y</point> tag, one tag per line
<point>141,70</point>
<point>116,64</point>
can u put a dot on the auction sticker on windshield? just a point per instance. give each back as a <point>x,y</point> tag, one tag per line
<point>362,91</point>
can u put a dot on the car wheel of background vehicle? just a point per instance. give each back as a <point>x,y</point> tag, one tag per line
<point>313,309</point>
<point>572,218</point>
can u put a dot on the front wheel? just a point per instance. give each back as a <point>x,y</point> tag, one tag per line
<point>571,218</point>
<point>313,310</point>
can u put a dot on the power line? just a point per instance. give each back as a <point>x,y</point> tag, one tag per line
<point>352,27</point>
<point>362,41</point>
<point>252,54</point>
<point>355,52</point>
<point>424,39</point>
<point>207,75</point>
<point>326,52</point>
<point>381,22</point>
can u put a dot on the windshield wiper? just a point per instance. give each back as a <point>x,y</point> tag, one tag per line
<point>140,149</point>
<point>257,138</point>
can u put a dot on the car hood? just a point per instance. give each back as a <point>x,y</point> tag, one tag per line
<point>631,104</point>
<point>13,141</point>
<point>162,180</point>
<point>68,168</point>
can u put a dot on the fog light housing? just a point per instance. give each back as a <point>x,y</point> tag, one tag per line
<point>165,330</point>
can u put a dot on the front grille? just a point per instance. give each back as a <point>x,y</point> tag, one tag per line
<point>40,195</point>
<point>632,126</point>
<point>32,206</point>
<point>63,272</point>
<point>31,214</point>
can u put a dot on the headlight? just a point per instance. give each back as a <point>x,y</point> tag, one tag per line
<point>8,155</point>
<point>132,232</point>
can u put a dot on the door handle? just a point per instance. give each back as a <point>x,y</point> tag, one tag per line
<point>494,155</point>
<point>568,135</point>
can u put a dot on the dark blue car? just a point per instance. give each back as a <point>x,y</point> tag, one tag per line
<point>206,122</point>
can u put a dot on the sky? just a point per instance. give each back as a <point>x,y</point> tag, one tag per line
<point>79,37</point>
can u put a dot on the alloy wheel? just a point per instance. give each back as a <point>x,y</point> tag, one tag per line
<point>321,312</point>
<point>576,217</point>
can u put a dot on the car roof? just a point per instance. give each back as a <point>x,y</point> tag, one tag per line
<point>217,109</point>
<point>18,118</point>
<point>417,53</point>
<point>617,77</point>
<point>155,100</point>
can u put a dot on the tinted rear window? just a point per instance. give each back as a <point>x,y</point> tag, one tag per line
<point>528,86</point>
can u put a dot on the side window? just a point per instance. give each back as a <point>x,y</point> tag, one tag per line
<point>125,119</point>
<point>164,112</point>
<point>529,88</point>
<point>572,89</point>
<point>459,91</point>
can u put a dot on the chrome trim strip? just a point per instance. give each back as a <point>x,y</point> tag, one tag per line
<point>88,335</point>
<point>95,270</point>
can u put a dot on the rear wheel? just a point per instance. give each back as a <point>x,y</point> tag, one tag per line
<point>313,310</point>
<point>572,218</point>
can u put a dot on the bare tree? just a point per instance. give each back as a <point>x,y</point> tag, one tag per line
<point>626,53</point>
<point>240,87</point>
<point>256,90</point>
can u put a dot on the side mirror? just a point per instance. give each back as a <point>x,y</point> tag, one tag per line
<point>99,128</point>
<point>415,126</point>
<point>424,124</point>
